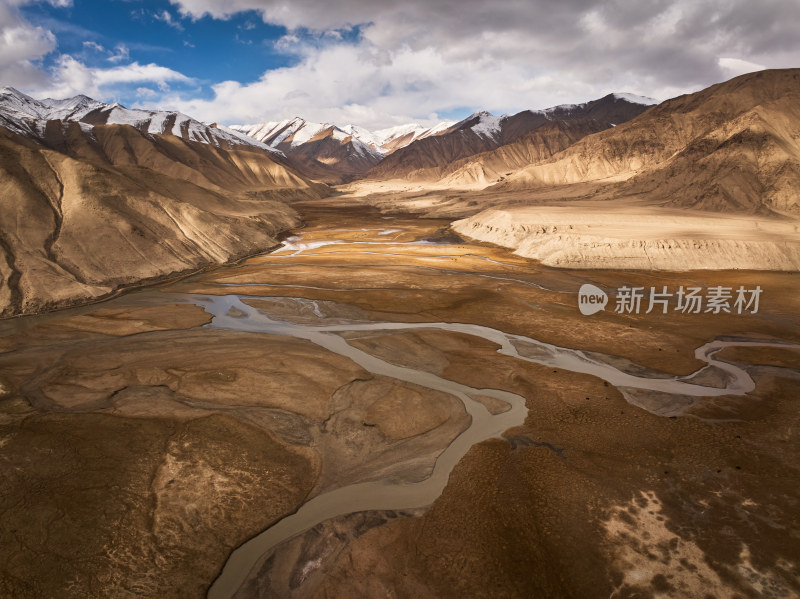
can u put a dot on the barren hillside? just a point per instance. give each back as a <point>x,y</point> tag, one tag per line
<point>733,146</point>
<point>87,211</point>
<point>428,159</point>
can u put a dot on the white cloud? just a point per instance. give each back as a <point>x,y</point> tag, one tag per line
<point>361,84</point>
<point>166,17</point>
<point>22,45</point>
<point>120,54</point>
<point>94,46</point>
<point>418,57</point>
<point>146,92</point>
<point>735,66</point>
<point>70,77</point>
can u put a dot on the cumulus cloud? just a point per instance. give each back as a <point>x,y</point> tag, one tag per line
<point>22,46</point>
<point>418,57</point>
<point>70,76</point>
<point>378,63</point>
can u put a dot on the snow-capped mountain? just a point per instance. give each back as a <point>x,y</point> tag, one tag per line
<point>25,115</point>
<point>334,154</point>
<point>322,151</point>
<point>96,197</point>
<point>319,150</point>
<point>293,133</point>
<point>365,136</point>
<point>483,132</point>
<point>487,125</point>
<point>298,131</point>
<point>634,99</point>
<point>394,138</point>
<point>483,124</point>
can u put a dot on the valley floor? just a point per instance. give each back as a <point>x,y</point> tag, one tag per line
<point>589,226</point>
<point>142,440</point>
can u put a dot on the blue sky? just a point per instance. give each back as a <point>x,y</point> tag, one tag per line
<point>378,63</point>
<point>205,49</point>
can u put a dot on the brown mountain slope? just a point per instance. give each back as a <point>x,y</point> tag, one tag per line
<point>426,159</point>
<point>328,159</point>
<point>733,146</point>
<point>112,207</point>
<point>532,147</point>
<point>706,180</point>
<point>198,163</point>
<point>317,150</point>
<point>421,159</point>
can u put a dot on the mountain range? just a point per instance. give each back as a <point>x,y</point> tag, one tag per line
<point>429,159</point>
<point>704,180</point>
<point>319,150</point>
<point>732,147</point>
<point>336,154</point>
<point>28,117</point>
<point>96,196</point>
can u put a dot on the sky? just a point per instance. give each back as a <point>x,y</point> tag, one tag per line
<point>380,63</point>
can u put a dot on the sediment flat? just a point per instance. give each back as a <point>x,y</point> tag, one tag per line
<point>591,236</point>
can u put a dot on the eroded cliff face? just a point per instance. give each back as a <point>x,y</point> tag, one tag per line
<point>647,239</point>
<point>96,210</point>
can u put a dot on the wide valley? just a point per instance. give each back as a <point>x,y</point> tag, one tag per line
<point>380,407</point>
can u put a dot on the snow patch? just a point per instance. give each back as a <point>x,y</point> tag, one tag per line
<point>634,99</point>
<point>488,124</point>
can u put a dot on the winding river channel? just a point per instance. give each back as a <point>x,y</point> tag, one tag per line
<point>232,312</point>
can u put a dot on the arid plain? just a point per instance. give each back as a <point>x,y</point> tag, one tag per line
<point>163,441</point>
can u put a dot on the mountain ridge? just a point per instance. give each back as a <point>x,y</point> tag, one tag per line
<point>88,208</point>
<point>24,114</point>
<point>733,144</point>
<point>483,132</point>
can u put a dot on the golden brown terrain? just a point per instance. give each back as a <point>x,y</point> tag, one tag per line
<point>85,214</point>
<point>703,181</point>
<point>139,446</point>
<point>529,135</point>
<point>145,440</point>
